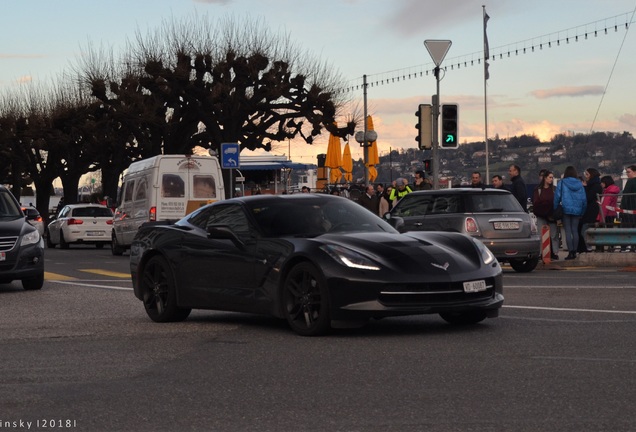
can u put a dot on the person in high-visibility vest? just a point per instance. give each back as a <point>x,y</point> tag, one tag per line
<point>400,189</point>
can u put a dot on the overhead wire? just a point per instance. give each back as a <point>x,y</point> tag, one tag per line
<point>611,73</point>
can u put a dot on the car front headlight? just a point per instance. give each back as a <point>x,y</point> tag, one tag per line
<point>486,256</point>
<point>30,238</point>
<point>349,258</point>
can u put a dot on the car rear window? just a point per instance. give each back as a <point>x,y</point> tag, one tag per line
<point>92,212</point>
<point>493,203</point>
<point>420,205</point>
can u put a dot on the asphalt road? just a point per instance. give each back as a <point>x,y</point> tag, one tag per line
<point>82,353</point>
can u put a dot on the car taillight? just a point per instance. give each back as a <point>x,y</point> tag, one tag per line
<point>73,221</point>
<point>38,219</point>
<point>471,225</point>
<point>153,214</point>
<point>109,222</point>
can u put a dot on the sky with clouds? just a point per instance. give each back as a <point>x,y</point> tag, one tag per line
<point>546,76</point>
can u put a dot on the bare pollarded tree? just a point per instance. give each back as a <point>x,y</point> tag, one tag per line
<point>240,81</point>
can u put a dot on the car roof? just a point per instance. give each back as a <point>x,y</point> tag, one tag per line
<point>85,205</point>
<point>461,191</point>
<point>264,198</point>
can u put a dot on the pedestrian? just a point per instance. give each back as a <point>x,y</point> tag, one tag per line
<point>609,202</point>
<point>543,207</point>
<point>421,182</point>
<point>497,182</point>
<point>610,199</point>
<point>379,190</point>
<point>593,189</point>
<point>628,202</point>
<point>369,200</point>
<point>518,186</point>
<point>475,180</point>
<point>400,189</point>
<point>571,195</point>
<point>385,204</point>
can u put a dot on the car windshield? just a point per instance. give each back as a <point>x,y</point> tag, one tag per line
<point>308,218</point>
<point>8,208</point>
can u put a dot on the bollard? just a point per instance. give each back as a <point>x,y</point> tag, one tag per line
<point>546,253</point>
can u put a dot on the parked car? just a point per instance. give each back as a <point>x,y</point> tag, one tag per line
<point>21,245</point>
<point>490,215</point>
<point>81,224</point>
<point>315,260</point>
<point>33,216</point>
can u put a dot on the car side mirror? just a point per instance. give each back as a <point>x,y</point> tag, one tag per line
<point>224,232</point>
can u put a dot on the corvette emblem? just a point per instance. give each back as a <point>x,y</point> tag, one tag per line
<point>443,267</point>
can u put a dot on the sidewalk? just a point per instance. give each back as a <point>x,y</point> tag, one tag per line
<point>620,260</point>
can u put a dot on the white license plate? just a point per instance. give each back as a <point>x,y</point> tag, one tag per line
<point>506,225</point>
<point>3,256</point>
<point>475,286</point>
<point>95,233</point>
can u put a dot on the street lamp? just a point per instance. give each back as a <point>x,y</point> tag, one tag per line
<point>365,138</point>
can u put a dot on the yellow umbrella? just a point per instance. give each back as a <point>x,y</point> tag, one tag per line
<point>333,159</point>
<point>373,158</point>
<point>347,163</point>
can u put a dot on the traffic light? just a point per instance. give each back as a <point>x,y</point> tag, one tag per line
<point>449,138</point>
<point>428,167</point>
<point>424,126</point>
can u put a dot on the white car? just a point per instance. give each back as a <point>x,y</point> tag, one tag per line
<point>81,223</point>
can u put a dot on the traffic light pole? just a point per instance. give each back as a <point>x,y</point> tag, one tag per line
<point>435,146</point>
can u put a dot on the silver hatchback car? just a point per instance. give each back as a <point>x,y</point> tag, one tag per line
<point>491,215</point>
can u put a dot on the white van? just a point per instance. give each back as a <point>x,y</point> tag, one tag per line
<point>163,188</point>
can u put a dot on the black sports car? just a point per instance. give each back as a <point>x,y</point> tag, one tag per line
<point>316,260</point>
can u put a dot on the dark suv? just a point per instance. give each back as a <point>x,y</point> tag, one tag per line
<point>21,245</point>
<point>491,215</point>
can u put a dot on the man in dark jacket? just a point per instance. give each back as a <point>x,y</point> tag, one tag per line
<point>518,186</point>
<point>369,200</point>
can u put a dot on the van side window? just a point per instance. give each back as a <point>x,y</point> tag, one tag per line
<point>128,190</point>
<point>204,186</point>
<point>142,189</point>
<point>172,186</point>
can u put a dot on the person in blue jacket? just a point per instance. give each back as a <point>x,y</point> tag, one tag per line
<point>570,193</point>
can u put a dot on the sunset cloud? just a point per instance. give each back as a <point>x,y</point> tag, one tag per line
<point>568,92</point>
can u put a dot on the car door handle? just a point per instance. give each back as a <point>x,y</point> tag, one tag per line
<point>417,224</point>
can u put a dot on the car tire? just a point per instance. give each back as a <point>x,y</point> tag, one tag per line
<point>524,265</point>
<point>115,248</point>
<point>160,292</point>
<point>49,243</point>
<point>305,300</point>
<point>463,318</point>
<point>63,244</point>
<point>34,283</point>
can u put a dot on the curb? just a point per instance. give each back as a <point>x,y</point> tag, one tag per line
<point>625,261</point>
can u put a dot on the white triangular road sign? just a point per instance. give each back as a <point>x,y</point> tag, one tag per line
<point>437,49</point>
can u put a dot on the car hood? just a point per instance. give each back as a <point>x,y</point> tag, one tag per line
<point>413,252</point>
<point>12,226</point>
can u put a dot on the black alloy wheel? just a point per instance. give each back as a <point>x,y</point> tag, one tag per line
<point>524,265</point>
<point>63,244</point>
<point>160,293</point>
<point>305,301</point>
